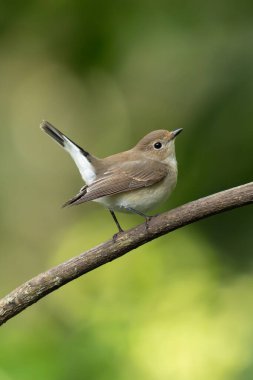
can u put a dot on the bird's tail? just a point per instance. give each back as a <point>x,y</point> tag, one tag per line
<point>59,137</point>
<point>81,157</point>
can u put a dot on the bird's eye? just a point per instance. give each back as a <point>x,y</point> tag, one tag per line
<point>158,145</point>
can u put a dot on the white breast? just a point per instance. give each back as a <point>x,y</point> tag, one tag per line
<point>143,199</point>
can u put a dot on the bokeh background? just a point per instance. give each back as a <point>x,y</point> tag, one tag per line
<point>106,73</point>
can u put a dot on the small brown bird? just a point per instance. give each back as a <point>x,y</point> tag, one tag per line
<point>136,180</point>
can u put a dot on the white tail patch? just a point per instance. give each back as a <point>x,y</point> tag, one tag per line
<point>86,169</point>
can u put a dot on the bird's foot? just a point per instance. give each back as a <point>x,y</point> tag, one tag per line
<point>115,236</point>
<point>147,220</point>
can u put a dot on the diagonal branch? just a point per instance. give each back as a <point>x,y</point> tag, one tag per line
<point>45,283</point>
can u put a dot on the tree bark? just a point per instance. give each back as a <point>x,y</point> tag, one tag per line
<point>45,283</point>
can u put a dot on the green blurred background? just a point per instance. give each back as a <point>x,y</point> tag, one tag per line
<point>106,73</point>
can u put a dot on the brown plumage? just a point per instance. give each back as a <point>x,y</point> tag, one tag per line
<point>135,180</point>
<point>129,176</point>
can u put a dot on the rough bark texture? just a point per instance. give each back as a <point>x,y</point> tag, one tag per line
<point>39,286</point>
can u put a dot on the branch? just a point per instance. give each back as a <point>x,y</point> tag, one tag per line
<point>45,283</point>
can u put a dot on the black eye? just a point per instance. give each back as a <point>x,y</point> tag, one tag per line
<point>157,145</point>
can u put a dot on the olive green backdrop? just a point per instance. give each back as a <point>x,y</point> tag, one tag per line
<point>106,73</point>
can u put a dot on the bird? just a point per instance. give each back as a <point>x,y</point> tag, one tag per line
<point>134,181</point>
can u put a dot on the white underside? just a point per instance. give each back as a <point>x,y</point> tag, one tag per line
<point>144,199</point>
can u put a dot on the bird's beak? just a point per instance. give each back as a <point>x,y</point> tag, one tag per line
<point>176,132</point>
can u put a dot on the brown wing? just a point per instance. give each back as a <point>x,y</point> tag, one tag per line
<point>129,176</point>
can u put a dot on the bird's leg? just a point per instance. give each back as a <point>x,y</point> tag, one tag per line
<point>117,223</point>
<point>147,217</point>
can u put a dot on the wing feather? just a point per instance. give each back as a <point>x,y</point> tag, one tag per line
<point>119,179</point>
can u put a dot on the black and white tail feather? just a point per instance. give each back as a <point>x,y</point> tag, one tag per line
<point>81,157</point>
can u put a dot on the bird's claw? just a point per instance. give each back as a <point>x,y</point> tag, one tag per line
<point>115,236</point>
<point>148,218</point>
